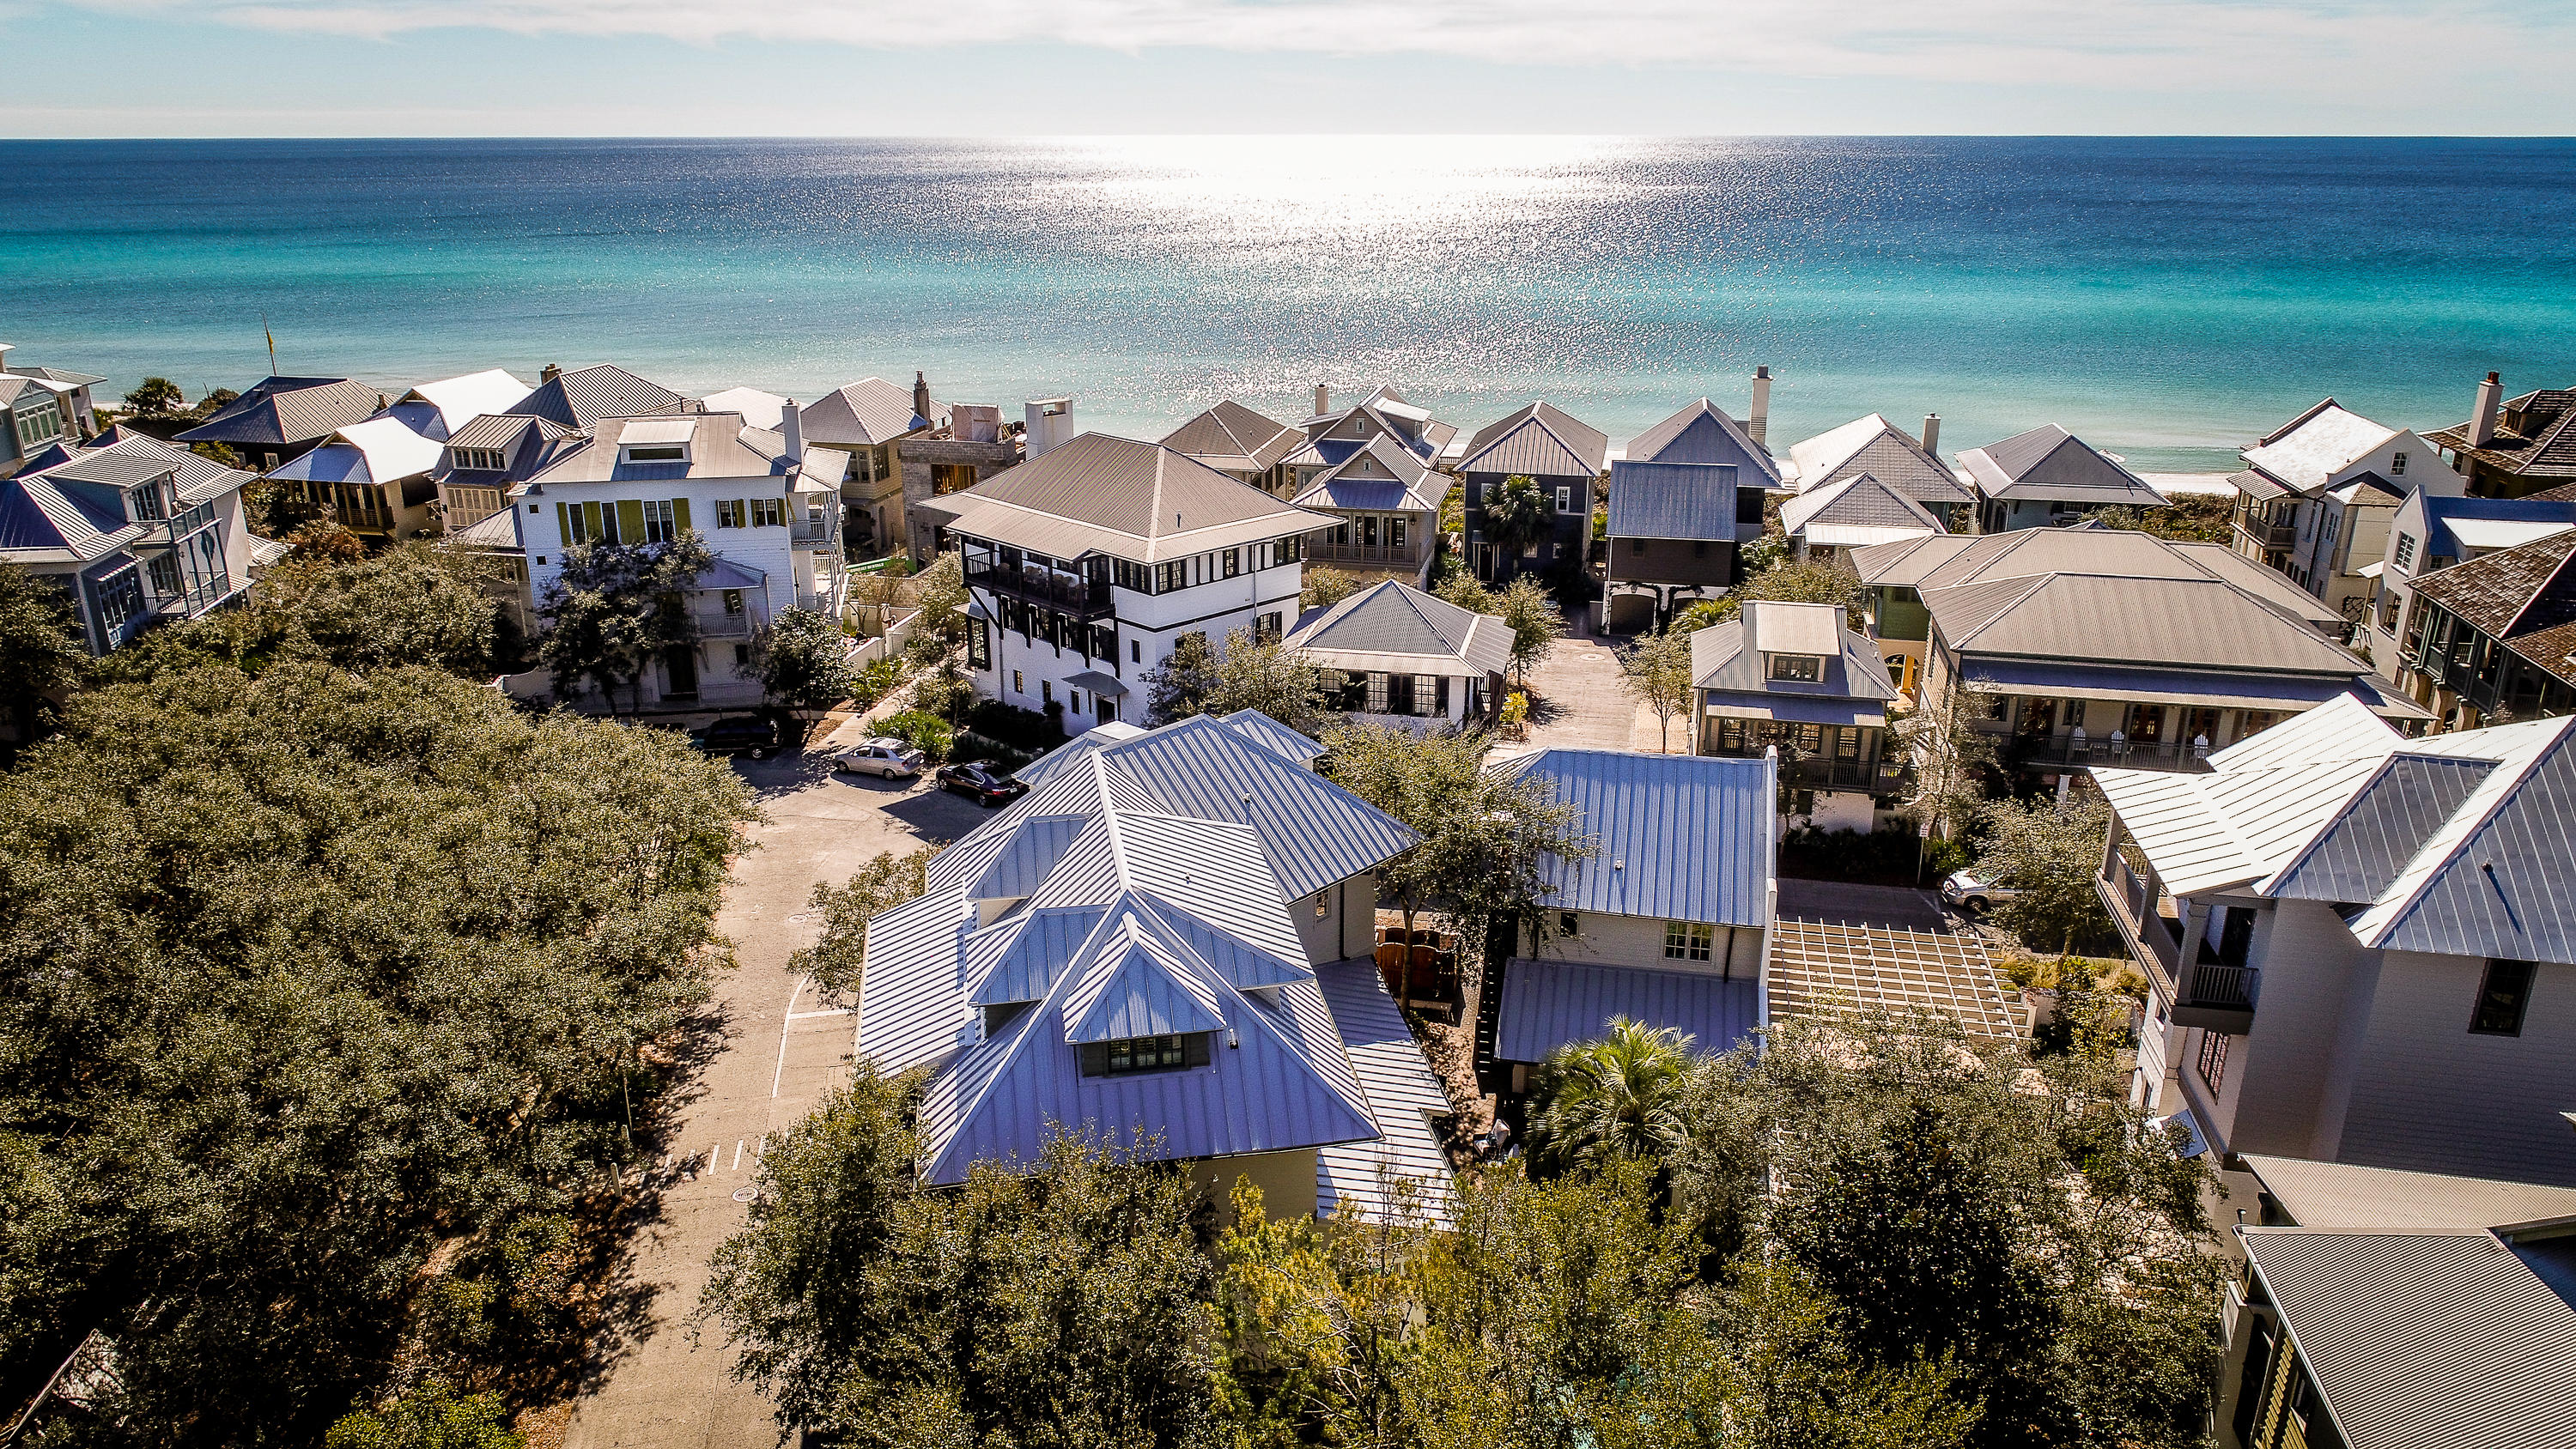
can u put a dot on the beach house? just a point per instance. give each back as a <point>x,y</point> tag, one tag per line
<point>868,419</point>
<point>2047,477</point>
<point>1396,655</point>
<point>1091,562</point>
<point>1850,513</point>
<point>1566,459</point>
<point>768,506</point>
<point>1798,680</point>
<point>1242,444</point>
<point>1384,502</point>
<point>1899,461</point>
<point>1683,494</point>
<point>1166,942</point>
<point>135,532</point>
<point>2092,645</point>
<point>41,404</point>
<point>2514,448</point>
<point>2317,496</point>
<point>2494,639</point>
<point>2359,947</point>
<point>1668,925</point>
<point>282,418</point>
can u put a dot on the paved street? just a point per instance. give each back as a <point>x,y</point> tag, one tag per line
<point>1580,704</point>
<point>782,1047</point>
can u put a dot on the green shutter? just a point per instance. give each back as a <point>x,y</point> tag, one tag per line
<point>563,525</point>
<point>630,520</point>
<point>680,511</point>
<point>591,521</point>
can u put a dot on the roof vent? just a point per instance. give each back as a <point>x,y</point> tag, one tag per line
<point>1620,864</point>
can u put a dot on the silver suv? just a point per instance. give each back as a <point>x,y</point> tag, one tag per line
<point>1972,896</point>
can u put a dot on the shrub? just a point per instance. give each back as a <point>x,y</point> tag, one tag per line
<point>1882,857</point>
<point>875,682</point>
<point>923,731</point>
<point>1021,729</point>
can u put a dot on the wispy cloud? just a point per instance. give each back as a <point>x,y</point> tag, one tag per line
<point>2311,48</point>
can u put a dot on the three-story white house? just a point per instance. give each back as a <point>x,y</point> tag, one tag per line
<point>767,505</point>
<point>1091,563</point>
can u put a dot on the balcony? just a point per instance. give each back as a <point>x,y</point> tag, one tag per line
<point>717,624</point>
<point>2206,992</point>
<point>1047,589</point>
<point>1879,777</point>
<point>1408,556</point>
<point>2047,752</point>
<point>826,529</point>
<point>2271,537</point>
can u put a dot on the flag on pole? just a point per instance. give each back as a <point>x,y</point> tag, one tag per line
<point>272,343</point>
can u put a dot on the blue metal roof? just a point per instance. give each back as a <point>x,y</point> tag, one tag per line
<point>1261,729</point>
<point>1315,832</point>
<point>2362,853</point>
<point>1548,1004</point>
<point>2509,888</point>
<point>1403,1098</point>
<point>1683,837</point>
<point>2439,511</point>
<point>1673,500</point>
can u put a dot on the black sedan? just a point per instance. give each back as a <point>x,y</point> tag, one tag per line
<point>982,781</point>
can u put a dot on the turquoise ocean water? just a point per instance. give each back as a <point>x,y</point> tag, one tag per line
<point>2168,299</point>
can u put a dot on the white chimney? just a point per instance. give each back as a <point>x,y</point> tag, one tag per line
<point>792,428</point>
<point>1323,399</point>
<point>1758,421</point>
<point>1046,422</point>
<point>2482,423</point>
<point>1932,434</point>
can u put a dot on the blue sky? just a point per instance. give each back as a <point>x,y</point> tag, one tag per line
<point>1073,67</point>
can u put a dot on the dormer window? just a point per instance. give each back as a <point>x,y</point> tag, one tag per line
<point>656,440</point>
<point>145,504</point>
<point>1798,668</point>
<point>656,453</point>
<point>1126,1056</point>
<point>476,460</point>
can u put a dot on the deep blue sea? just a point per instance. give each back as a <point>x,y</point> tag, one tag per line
<point>2168,299</point>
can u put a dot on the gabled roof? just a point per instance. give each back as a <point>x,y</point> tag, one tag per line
<point>383,449</point>
<point>288,410</point>
<point>2455,844</point>
<point>720,446</point>
<point>1122,917</point>
<point>1381,475</point>
<point>1683,837</point>
<point>2051,464</point>
<point>1541,440</point>
<point>72,510</point>
<point>63,376</point>
<point>1703,433</point>
<point>2312,449</point>
<point>759,409</point>
<point>2344,1197</point>
<point>1875,446</point>
<point>1233,437</point>
<point>1856,511</point>
<point>460,400</point>
<point>1677,501</point>
<point>2536,438</point>
<point>865,413</point>
<point>1729,659</point>
<point>1384,410</point>
<point>2523,597</point>
<point>1397,629</point>
<point>583,396</point>
<point>2428,1340</point>
<point>1137,501</point>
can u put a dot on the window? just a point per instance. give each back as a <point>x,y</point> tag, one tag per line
<point>1806,668</point>
<point>2213,1060</point>
<point>731,513</point>
<point>1395,533</point>
<point>2405,550</point>
<point>1568,924</point>
<point>1323,903</point>
<point>1748,505</point>
<point>1290,549</point>
<point>1425,688</point>
<point>1564,499</point>
<point>1233,562</point>
<point>163,570</point>
<point>1018,685</point>
<point>2397,465</point>
<point>2502,998</point>
<point>476,460</point>
<point>1689,940</point>
<point>1046,690</point>
<point>40,423</point>
<point>1170,576</point>
<point>1135,651</point>
<point>1368,531</point>
<point>1133,577</point>
<point>769,513</point>
<point>659,524</point>
<point>144,504</point>
<point>120,598</point>
<point>1376,694</point>
<point>741,658</point>
<point>1399,694</point>
<point>656,453</point>
<point>1145,1053</point>
<point>1636,548</point>
<point>979,645</point>
<point>733,603</point>
<point>1265,627</point>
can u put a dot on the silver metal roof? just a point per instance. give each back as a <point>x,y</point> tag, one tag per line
<point>1728,658</point>
<point>1703,433</point>
<point>1540,440</point>
<point>2423,1340</point>
<point>2051,464</point>
<point>1683,837</point>
<point>288,410</point>
<point>2340,1197</point>
<point>1395,628</point>
<point>865,413</point>
<point>1875,446</point>
<point>1136,501</point>
<point>1694,501</point>
<point>1234,432</point>
<point>1403,1098</point>
<point>583,396</point>
<point>1549,1004</point>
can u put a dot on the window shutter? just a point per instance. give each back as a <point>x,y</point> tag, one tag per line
<point>590,516</point>
<point>563,524</point>
<point>680,511</point>
<point>630,520</point>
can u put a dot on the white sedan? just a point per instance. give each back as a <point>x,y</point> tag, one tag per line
<point>891,758</point>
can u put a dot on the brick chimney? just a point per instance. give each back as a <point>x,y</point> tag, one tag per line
<point>1758,421</point>
<point>2482,423</point>
<point>1932,434</point>
<point>921,397</point>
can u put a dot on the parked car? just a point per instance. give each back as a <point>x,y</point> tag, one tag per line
<point>890,758</point>
<point>740,734</point>
<point>983,781</point>
<point>1972,896</point>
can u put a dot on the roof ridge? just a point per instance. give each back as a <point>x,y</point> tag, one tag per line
<point>2401,911</point>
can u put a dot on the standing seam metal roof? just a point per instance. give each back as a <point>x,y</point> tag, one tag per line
<point>1683,837</point>
<point>1540,440</point>
<point>1679,501</point>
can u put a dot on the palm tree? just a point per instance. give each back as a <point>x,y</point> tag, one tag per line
<point>1600,1102</point>
<point>1516,516</point>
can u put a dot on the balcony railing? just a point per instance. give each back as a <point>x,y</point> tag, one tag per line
<point>2271,536</point>
<point>2227,988</point>
<point>806,530</point>
<point>2044,751</point>
<point>1081,598</point>
<point>1409,555</point>
<point>1881,777</point>
<point>2136,908</point>
<point>717,624</point>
